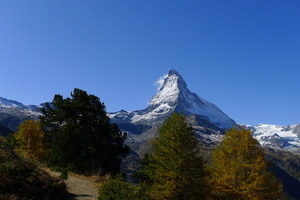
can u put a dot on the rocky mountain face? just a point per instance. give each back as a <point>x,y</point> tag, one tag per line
<point>12,113</point>
<point>207,119</point>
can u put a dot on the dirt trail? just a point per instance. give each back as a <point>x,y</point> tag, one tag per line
<point>80,187</point>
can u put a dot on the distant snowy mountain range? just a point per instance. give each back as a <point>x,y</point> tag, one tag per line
<point>12,113</point>
<point>278,137</point>
<point>207,119</point>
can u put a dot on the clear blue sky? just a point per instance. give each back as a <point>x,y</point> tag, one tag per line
<point>243,56</point>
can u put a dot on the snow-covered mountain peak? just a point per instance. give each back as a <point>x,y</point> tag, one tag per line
<point>174,95</point>
<point>173,83</point>
<point>180,80</point>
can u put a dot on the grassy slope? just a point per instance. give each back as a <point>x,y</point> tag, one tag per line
<point>23,180</point>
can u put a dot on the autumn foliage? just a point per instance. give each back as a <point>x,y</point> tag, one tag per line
<point>240,170</point>
<point>30,139</point>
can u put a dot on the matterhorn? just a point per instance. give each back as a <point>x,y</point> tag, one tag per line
<point>173,95</point>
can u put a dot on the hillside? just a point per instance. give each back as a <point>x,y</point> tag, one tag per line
<point>4,131</point>
<point>22,180</point>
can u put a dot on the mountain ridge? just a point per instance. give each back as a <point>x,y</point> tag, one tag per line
<point>172,96</point>
<point>13,103</point>
<point>208,120</point>
<point>285,137</point>
<point>13,113</point>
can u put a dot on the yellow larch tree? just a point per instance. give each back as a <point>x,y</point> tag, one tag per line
<point>30,138</point>
<point>240,170</point>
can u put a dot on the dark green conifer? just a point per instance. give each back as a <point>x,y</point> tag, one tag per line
<point>80,135</point>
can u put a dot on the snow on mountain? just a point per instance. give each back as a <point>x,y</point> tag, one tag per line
<point>174,95</point>
<point>280,137</point>
<point>10,103</point>
<point>153,114</point>
<point>169,91</point>
<point>12,106</point>
<point>12,113</point>
<point>5,103</point>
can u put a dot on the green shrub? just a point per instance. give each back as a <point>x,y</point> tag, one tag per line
<point>118,189</point>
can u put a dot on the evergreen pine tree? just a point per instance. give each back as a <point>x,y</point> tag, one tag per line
<point>175,170</point>
<point>240,170</point>
<point>80,135</point>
